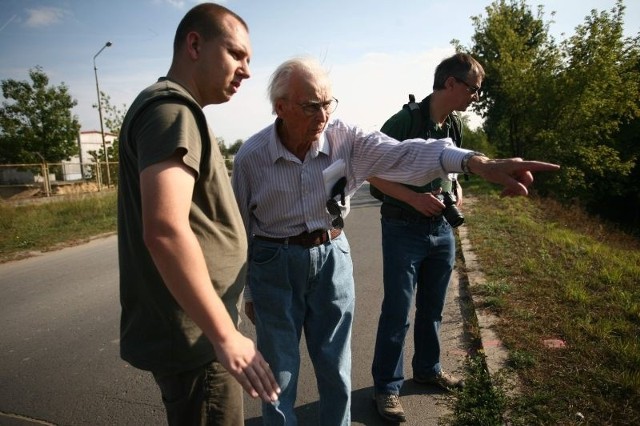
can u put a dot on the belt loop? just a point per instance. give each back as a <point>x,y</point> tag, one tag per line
<point>286,243</point>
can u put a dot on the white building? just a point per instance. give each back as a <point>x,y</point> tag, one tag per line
<point>89,140</point>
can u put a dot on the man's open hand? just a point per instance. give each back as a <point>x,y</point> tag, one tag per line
<point>240,357</point>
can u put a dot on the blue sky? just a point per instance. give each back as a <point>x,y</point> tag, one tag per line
<point>377,51</point>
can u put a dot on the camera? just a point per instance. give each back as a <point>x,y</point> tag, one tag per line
<point>451,212</point>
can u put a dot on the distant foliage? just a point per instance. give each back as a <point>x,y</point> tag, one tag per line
<point>113,117</point>
<point>229,152</point>
<point>36,122</point>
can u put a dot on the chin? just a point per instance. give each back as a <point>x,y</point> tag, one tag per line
<point>225,97</point>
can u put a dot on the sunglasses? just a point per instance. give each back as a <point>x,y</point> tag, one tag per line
<point>474,90</point>
<point>332,204</point>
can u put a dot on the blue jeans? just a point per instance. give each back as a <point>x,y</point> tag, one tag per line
<point>415,254</point>
<point>296,288</point>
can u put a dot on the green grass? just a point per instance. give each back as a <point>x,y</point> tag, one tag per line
<point>47,225</point>
<point>555,273</point>
<point>480,402</point>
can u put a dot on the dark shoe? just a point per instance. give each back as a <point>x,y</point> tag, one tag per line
<point>443,379</point>
<point>389,407</point>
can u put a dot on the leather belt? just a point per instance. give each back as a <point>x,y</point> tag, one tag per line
<point>394,212</point>
<point>306,239</point>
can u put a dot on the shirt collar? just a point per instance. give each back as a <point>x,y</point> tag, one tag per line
<point>277,149</point>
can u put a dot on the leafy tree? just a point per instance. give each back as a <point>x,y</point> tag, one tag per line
<point>575,103</point>
<point>233,149</point>
<point>36,122</point>
<point>222,146</point>
<point>518,56</point>
<point>113,115</point>
<point>229,152</point>
<point>113,118</point>
<point>600,82</point>
<point>476,139</point>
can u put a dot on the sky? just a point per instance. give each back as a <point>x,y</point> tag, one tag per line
<point>377,52</point>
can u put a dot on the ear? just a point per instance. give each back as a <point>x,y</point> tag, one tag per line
<point>194,42</point>
<point>280,106</point>
<point>449,82</point>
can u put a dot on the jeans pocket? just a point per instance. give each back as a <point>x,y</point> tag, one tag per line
<point>263,254</point>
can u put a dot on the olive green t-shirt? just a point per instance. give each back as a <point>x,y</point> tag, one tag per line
<point>155,333</point>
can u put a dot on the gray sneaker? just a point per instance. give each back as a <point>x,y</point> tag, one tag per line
<point>389,407</point>
<point>443,379</point>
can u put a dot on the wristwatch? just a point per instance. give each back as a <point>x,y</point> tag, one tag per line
<point>465,161</point>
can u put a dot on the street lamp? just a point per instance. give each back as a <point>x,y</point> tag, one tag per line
<point>104,144</point>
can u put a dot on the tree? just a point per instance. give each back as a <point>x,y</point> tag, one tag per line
<point>476,140</point>
<point>575,103</point>
<point>228,152</point>
<point>113,119</point>
<point>222,146</point>
<point>36,122</point>
<point>600,82</point>
<point>113,115</point>
<point>518,56</point>
<point>233,149</point>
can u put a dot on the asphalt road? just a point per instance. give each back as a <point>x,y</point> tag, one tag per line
<point>59,360</point>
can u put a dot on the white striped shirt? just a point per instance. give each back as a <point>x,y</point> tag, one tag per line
<point>280,196</point>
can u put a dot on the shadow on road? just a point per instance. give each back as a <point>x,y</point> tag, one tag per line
<point>363,410</point>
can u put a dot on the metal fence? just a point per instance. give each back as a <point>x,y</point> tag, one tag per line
<point>45,180</point>
<point>24,181</point>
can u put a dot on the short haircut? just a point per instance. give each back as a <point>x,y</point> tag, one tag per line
<point>303,66</point>
<point>205,19</point>
<point>460,65</point>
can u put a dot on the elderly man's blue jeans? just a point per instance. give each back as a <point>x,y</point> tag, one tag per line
<point>310,289</point>
<point>415,254</point>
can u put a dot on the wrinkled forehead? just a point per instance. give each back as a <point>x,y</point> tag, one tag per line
<point>309,87</point>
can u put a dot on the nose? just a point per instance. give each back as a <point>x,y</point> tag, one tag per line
<point>324,113</point>
<point>244,70</point>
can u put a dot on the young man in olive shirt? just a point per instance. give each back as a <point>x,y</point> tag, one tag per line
<point>181,242</point>
<point>418,243</point>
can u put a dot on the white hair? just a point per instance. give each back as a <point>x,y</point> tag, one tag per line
<point>303,66</point>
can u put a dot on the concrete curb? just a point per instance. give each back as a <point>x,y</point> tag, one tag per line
<point>495,352</point>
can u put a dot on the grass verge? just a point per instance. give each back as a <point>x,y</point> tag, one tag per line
<point>565,288</point>
<point>43,226</point>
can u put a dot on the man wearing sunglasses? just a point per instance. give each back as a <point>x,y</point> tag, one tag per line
<point>418,244</point>
<point>300,271</point>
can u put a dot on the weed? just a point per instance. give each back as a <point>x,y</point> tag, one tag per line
<point>479,402</point>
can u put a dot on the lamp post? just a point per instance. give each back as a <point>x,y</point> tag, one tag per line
<point>104,144</point>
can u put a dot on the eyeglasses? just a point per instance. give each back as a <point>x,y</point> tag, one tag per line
<point>474,90</point>
<point>332,204</point>
<point>312,108</point>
